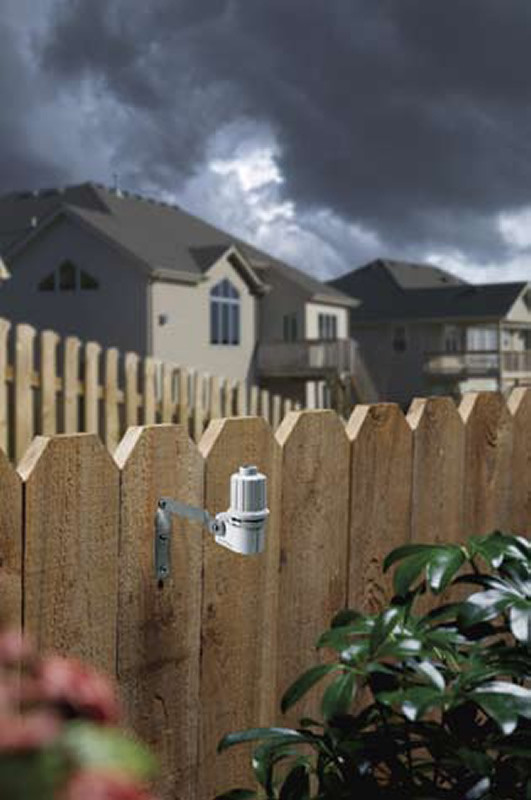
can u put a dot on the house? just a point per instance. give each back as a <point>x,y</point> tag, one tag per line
<point>145,276</point>
<point>424,331</point>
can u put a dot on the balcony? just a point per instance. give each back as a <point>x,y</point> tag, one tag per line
<point>477,363</point>
<point>307,359</point>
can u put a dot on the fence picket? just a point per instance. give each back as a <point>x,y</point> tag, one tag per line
<point>10,544</point>
<point>242,404</point>
<point>519,405</point>
<point>159,633</point>
<point>71,512</point>
<point>167,393</point>
<point>265,410</point>
<point>112,419</point>
<point>150,396</point>
<point>239,607</point>
<point>380,498</point>
<point>438,471</point>
<point>48,405</point>
<point>71,422</point>
<point>184,406</point>
<point>314,525</point>
<point>214,410</point>
<point>488,479</point>
<point>254,401</point>
<point>4,418</point>
<point>24,414</point>
<point>277,411</point>
<point>131,389</point>
<point>92,358</point>
<point>197,419</point>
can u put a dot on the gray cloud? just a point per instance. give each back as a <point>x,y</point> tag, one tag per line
<point>409,118</point>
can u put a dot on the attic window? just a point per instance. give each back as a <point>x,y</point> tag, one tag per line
<point>224,313</point>
<point>68,277</point>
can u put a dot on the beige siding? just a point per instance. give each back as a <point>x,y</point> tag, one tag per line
<point>312,319</point>
<point>185,337</point>
<point>519,312</point>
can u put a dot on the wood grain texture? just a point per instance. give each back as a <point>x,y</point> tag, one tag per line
<point>131,389</point>
<point>24,421</point>
<point>92,359</point>
<point>489,449</point>
<point>314,542</point>
<point>159,627</point>
<point>70,386</point>
<point>438,471</point>
<point>71,507</point>
<point>4,420</point>
<point>239,608</point>
<point>380,499</point>
<point>48,406</point>
<point>10,544</point>
<point>519,405</point>
<point>111,415</point>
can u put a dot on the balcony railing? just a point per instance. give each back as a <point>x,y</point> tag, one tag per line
<point>307,358</point>
<point>475,363</point>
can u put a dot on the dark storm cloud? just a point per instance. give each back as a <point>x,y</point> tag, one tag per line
<point>410,117</point>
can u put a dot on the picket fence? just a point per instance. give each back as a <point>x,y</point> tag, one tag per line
<point>49,385</point>
<point>212,648</point>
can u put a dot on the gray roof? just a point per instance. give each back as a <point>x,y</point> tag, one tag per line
<point>161,235</point>
<point>401,291</point>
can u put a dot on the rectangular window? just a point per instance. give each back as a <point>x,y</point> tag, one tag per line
<point>225,335</point>
<point>214,323</point>
<point>235,324</point>
<point>327,324</point>
<point>482,339</point>
<point>290,327</point>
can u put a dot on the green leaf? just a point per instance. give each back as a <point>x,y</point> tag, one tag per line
<point>504,702</point>
<point>429,671</point>
<point>413,702</point>
<point>257,734</point>
<point>409,570</point>
<point>296,785</point>
<point>237,794</point>
<point>482,606</point>
<point>385,623</point>
<point>520,620</point>
<point>443,566</point>
<point>345,617</point>
<point>406,551</point>
<point>478,790</point>
<point>337,697</point>
<point>97,747</point>
<point>304,683</point>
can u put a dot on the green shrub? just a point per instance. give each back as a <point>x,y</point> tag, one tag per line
<point>449,704</point>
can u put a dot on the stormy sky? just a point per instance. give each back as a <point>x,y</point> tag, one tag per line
<point>328,133</point>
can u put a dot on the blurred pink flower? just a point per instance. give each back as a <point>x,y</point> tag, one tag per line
<point>29,731</point>
<point>93,785</point>
<point>83,691</point>
<point>14,648</point>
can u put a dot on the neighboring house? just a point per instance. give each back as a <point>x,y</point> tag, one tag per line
<point>145,276</point>
<point>424,331</point>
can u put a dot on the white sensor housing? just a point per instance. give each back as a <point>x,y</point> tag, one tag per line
<point>244,524</point>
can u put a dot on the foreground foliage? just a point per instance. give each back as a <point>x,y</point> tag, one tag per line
<point>59,734</point>
<point>449,708</point>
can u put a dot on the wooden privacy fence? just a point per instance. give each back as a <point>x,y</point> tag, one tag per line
<point>212,649</point>
<point>51,385</point>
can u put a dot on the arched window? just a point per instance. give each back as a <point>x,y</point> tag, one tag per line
<point>68,277</point>
<point>224,313</point>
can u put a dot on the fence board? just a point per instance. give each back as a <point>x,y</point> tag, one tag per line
<point>242,405</point>
<point>92,356</point>
<point>254,401</point>
<point>70,385</point>
<point>150,397</point>
<point>10,544</point>
<point>183,398</point>
<point>277,411</point>
<point>380,504</point>
<point>4,420</point>
<point>48,409</point>
<point>265,410</point>
<point>214,410</point>
<point>227,391</point>
<point>167,393</point>
<point>438,471</point>
<point>197,406</point>
<point>159,631</point>
<point>519,405</point>
<point>314,525</point>
<point>71,506</point>
<point>488,479</point>
<point>24,425</point>
<point>239,607</point>
<point>131,389</point>
<point>112,420</point>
